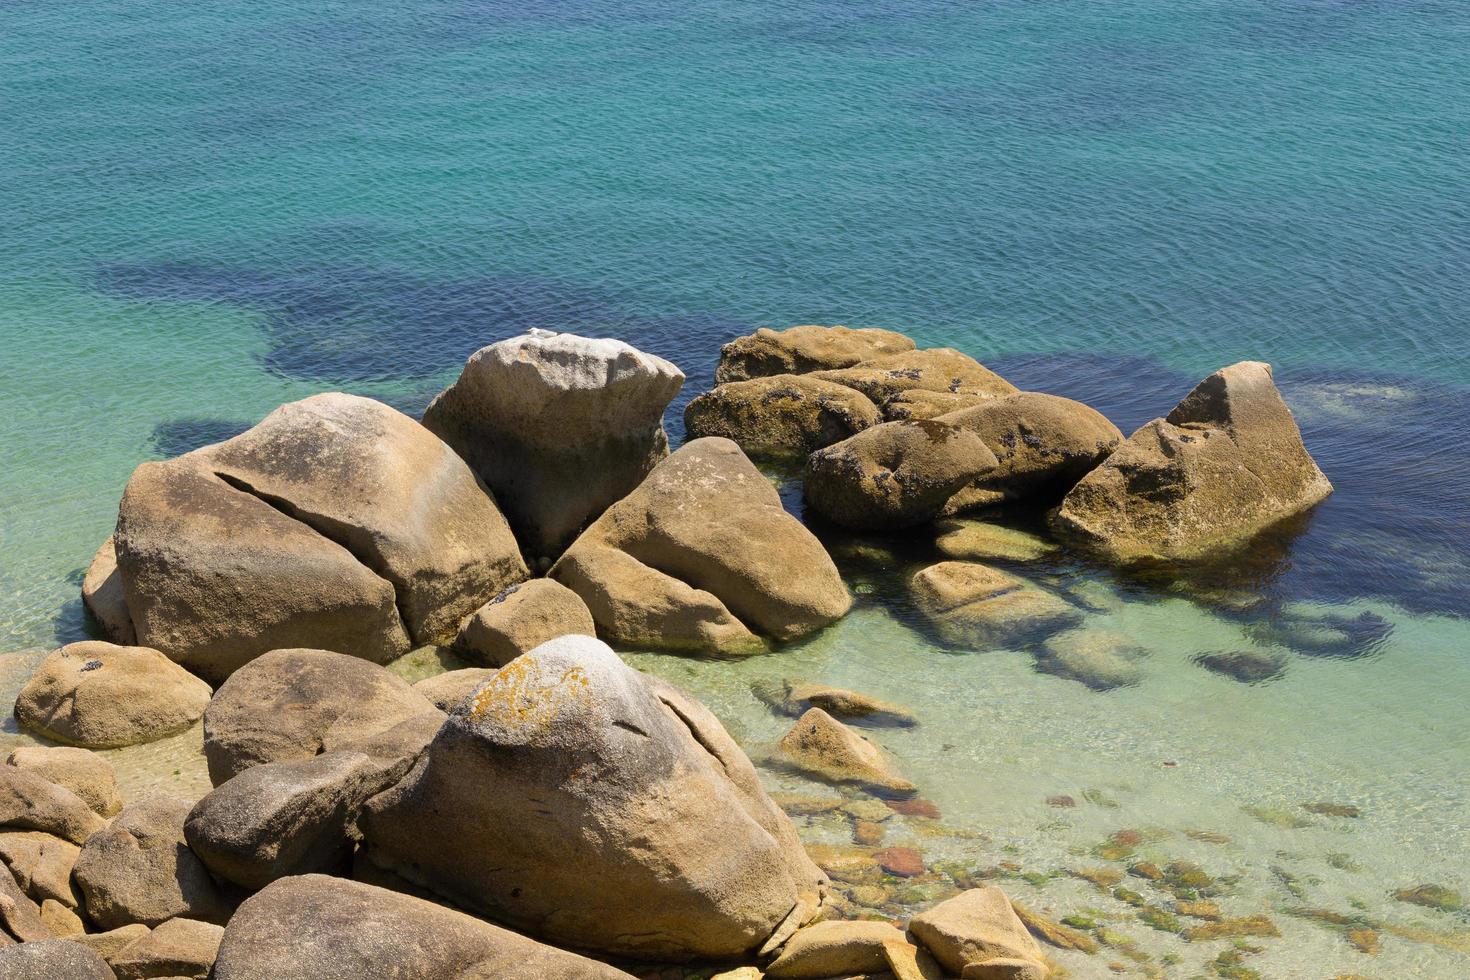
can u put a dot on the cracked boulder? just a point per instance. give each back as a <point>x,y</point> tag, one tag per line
<point>894,475</point>
<point>593,806</point>
<point>99,695</point>
<point>785,416</point>
<point>1225,464</point>
<point>799,350</point>
<point>558,426</point>
<point>358,930</point>
<point>1043,445</point>
<point>336,523</point>
<point>702,557</point>
<point>293,704</point>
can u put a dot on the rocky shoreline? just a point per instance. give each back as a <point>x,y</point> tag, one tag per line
<point>604,815</point>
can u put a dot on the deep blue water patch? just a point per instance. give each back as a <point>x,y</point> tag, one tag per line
<point>175,437</point>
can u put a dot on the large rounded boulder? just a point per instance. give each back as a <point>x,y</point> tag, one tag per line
<point>558,426</point>
<point>1043,445</point>
<point>798,350</point>
<point>336,523</point>
<point>1225,464</point>
<point>894,475</point>
<point>313,927</point>
<point>780,417</point>
<point>596,807</point>
<point>703,557</point>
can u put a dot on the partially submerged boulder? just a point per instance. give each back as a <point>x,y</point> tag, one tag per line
<point>799,350</point>
<point>82,771</point>
<point>139,869</point>
<point>103,595</point>
<point>975,926</point>
<point>293,704</point>
<point>30,801</point>
<point>785,416</point>
<point>981,541</point>
<point>100,695</point>
<point>795,697</point>
<point>932,369</point>
<point>52,959</point>
<point>894,475</point>
<point>702,557</point>
<point>1043,445</point>
<point>1225,464</point>
<point>524,806</point>
<point>285,818</point>
<point>313,927</point>
<point>1101,659</point>
<point>974,606</point>
<point>520,619</point>
<point>821,746</point>
<point>178,948</point>
<point>558,426</point>
<point>834,949</point>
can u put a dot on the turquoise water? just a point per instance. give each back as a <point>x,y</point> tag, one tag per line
<point>207,209</point>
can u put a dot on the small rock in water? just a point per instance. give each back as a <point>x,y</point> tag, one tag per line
<point>982,541</point>
<point>1208,836</point>
<point>1202,909</point>
<point>1055,933</point>
<point>1098,798</point>
<point>916,807</point>
<point>1146,870</point>
<point>1061,802</point>
<point>1431,897</point>
<point>1246,666</point>
<point>867,832</point>
<point>1364,940</point>
<point>1103,878</point>
<point>904,862</point>
<point>1101,659</point>
<point>1251,925</point>
<point>822,746</point>
<point>795,697</point>
<point>1333,810</point>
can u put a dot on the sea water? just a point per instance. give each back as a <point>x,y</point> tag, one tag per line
<point>207,209</point>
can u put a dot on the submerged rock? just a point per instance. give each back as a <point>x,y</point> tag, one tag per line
<point>294,704</point>
<point>975,606</point>
<point>795,697</point>
<point>798,350</point>
<point>314,927</point>
<point>558,426</point>
<point>523,805</point>
<point>103,595</point>
<point>782,417</point>
<point>99,695</point>
<point>703,557</point>
<point>1325,634</point>
<point>1225,464</point>
<point>1101,659</point>
<point>337,523</point>
<point>821,746</point>
<point>893,475</point>
<point>1432,897</point>
<point>1246,666</point>
<point>82,771</point>
<point>933,369</point>
<point>520,619</point>
<point>981,541</point>
<point>834,949</point>
<point>1043,445</point>
<point>140,869</point>
<point>975,926</point>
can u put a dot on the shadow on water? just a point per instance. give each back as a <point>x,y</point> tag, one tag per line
<point>174,437</point>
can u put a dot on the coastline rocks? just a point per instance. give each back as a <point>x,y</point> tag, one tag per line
<point>178,948</point>
<point>921,403</point>
<point>784,416</point>
<point>84,772</point>
<point>894,475</point>
<point>834,949</point>
<point>362,931</point>
<point>975,606</point>
<point>701,557</point>
<point>388,490</point>
<point>20,918</point>
<point>558,426</point>
<point>520,619</point>
<point>1043,445</point>
<point>799,350</point>
<point>933,369</point>
<point>1225,464</point>
<point>821,746</point>
<point>41,865</point>
<point>527,805</point>
<point>103,595</point>
<point>794,698</point>
<point>294,704</point>
<point>285,818</point>
<point>139,869</point>
<point>975,926</point>
<point>451,687</point>
<point>1100,659</point>
<point>29,801</point>
<point>217,576</point>
<point>52,959</point>
<point>99,695</point>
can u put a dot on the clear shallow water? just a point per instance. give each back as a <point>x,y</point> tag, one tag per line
<point>208,209</point>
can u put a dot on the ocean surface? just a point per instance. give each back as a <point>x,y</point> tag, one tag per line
<point>207,209</point>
